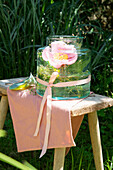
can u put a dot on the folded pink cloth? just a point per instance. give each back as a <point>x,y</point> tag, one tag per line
<point>25,106</point>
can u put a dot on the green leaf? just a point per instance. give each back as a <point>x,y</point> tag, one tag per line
<point>13,162</point>
<point>2,133</point>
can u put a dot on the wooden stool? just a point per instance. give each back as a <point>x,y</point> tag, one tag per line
<point>89,106</point>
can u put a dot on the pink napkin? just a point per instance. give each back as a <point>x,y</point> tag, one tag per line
<point>24,107</point>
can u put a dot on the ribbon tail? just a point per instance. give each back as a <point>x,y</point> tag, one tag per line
<point>41,111</point>
<point>47,125</point>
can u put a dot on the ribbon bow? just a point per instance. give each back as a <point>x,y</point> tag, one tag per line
<point>48,96</point>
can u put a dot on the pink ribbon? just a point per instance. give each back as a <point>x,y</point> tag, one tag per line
<point>48,96</point>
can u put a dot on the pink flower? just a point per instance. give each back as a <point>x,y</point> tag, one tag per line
<point>60,54</point>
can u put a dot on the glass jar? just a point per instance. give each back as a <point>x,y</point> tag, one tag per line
<point>64,55</point>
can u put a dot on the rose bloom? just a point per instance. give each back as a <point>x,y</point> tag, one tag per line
<point>60,54</point>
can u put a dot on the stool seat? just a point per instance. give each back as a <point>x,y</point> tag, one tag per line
<point>93,102</point>
<point>4,84</point>
<point>90,105</point>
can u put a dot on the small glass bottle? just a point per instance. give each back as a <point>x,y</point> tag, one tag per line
<point>64,55</point>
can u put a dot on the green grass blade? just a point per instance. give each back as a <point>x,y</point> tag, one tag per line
<point>30,46</point>
<point>74,16</point>
<point>29,165</point>
<point>43,6</point>
<point>13,162</point>
<point>61,15</point>
<point>52,29</point>
<point>3,51</point>
<point>72,162</point>
<point>80,164</point>
<point>38,24</point>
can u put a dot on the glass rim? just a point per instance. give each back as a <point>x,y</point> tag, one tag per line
<point>64,36</point>
<point>83,51</point>
<point>41,48</point>
<point>79,51</point>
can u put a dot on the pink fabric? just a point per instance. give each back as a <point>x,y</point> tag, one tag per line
<point>25,108</point>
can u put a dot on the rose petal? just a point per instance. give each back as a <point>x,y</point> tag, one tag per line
<point>56,45</point>
<point>46,53</point>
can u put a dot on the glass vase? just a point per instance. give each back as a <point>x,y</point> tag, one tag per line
<point>70,61</point>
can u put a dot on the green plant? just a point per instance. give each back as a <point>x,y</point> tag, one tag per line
<point>109,163</point>
<point>7,159</point>
<point>28,23</point>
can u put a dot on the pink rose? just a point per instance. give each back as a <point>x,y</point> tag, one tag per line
<point>60,54</point>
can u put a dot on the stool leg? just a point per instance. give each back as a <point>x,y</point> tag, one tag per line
<point>59,157</point>
<point>95,140</point>
<point>3,110</point>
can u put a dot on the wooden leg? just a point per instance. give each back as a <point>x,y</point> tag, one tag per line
<point>3,110</point>
<point>59,157</point>
<point>95,140</point>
